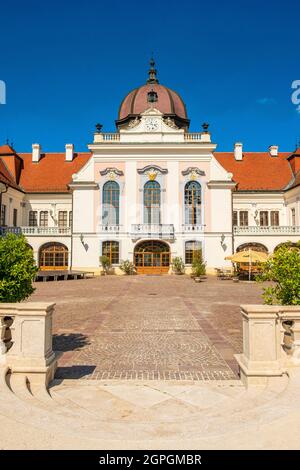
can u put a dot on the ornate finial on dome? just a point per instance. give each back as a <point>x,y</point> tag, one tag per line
<point>152,72</point>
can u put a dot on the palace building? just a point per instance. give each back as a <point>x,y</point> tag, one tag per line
<point>149,192</point>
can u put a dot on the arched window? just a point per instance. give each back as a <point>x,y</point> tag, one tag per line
<point>253,246</point>
<point>190,248</point>
<point>192,203</point>
<point>53,256</point>
<point>111,250</point>
<point>111,202</point>
<point>152,202</point>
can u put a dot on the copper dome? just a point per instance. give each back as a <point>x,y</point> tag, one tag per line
<point>167,101</point>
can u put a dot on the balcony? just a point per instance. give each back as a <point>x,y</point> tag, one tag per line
<point>37,231</point>
<point>110,228</point>
<point>161,231</point>
<point>193,228</point>
<point>268,230</point>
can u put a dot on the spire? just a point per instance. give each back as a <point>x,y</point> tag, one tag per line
<point>152,72</point>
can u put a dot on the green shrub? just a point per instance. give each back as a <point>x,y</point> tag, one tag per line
<point>283,269</point>
<point>105,263</point>
<point>178,265</point>
<point>198,265</point>
<point>127,267</point>
<point>17,268</point>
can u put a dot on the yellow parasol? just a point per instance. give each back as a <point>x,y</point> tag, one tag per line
<point>250,256</point>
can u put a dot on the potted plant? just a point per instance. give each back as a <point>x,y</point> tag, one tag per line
<point>127,267</point>
<point>105,264</point>
<point>198,266</point>
<point>178,265</point>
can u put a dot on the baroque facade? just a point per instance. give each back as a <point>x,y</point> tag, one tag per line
<point>149,192</point>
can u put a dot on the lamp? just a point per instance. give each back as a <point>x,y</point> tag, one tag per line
<point>82,238</point>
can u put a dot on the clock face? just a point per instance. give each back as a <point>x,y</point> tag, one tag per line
<point>151,124</point>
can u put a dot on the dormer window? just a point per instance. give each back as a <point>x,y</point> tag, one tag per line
<point>152,96</point>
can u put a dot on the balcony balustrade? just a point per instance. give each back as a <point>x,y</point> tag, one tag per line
<point>194,228</point>
<point>162,231</point>
<point>110,228</point>
<point>268,230</point>
<point>36,231</point>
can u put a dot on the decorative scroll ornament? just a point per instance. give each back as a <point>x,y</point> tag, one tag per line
<point>170,123</point>
<point>152,174</point>
<point>152,171</point>
<point>111,173</point>
<point>193,172</point>
<point>133,123</point>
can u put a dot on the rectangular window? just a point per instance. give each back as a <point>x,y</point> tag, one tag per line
<point>70,219</point>
<point>264,218</point>
<point>293,213</point>
<point>235,218</point>
<point>44,219</point>
<point>111,250</point>
<point>244,218</point>
<point>3,215</point>
<point>274,218</point>
<point>63,219</point>
<point>190,249</point>
<point>33,218</point>
<point>15,217</point>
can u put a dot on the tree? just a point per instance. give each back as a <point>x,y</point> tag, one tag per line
<point>198,265</point>
<point>105,263</point>
<point>283,269</point>
<point>17,268</point>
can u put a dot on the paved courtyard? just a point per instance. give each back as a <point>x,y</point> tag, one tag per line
<point>147,327</point>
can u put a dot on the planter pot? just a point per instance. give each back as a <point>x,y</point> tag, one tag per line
<point>197,279</point>
<point>235,279</point>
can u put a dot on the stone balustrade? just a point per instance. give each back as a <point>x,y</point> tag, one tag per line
<point>162,231</point>
<point>198,228</point>
<point>26,341</point>
<point>268,230</point>
<point>36,231</point>
<point>271,342</point>
<point>110,228</point>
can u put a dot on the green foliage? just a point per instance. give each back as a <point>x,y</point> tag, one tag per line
<point>105,263</point>
<point>283,269</point>
<point>178,265</point>
<point>17,268</point>
<point>198,265</point>
<point>127,267</point>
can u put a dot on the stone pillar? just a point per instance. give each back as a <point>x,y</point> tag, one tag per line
<point>262,351</point>
<point>29,345</point>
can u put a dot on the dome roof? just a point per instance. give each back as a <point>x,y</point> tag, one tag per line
<point>165,100</point>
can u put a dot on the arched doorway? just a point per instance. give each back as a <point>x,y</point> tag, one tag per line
<point>152,257</point>
<point>254,246</point>
<point>53,256</point>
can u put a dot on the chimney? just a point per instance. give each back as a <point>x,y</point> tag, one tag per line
<point>36,153</point>
<point>69,152</point>
<point>273,149</point>
<point>238,151</point>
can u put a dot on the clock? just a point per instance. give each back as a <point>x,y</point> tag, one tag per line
<point>151,124</point>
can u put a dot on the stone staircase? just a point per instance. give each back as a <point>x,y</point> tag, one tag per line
<point>87,414</point>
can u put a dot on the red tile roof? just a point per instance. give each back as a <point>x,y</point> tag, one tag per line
<point>6,175</point>
<point>258,170</point>
<point>52,173</point>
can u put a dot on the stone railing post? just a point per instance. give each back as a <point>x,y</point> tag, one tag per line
<point>262,349</point>
<point>30,340</point>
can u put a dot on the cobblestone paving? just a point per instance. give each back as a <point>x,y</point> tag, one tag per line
<point>147,327</point>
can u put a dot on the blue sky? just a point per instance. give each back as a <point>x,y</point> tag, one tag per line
<point>67,65</point>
